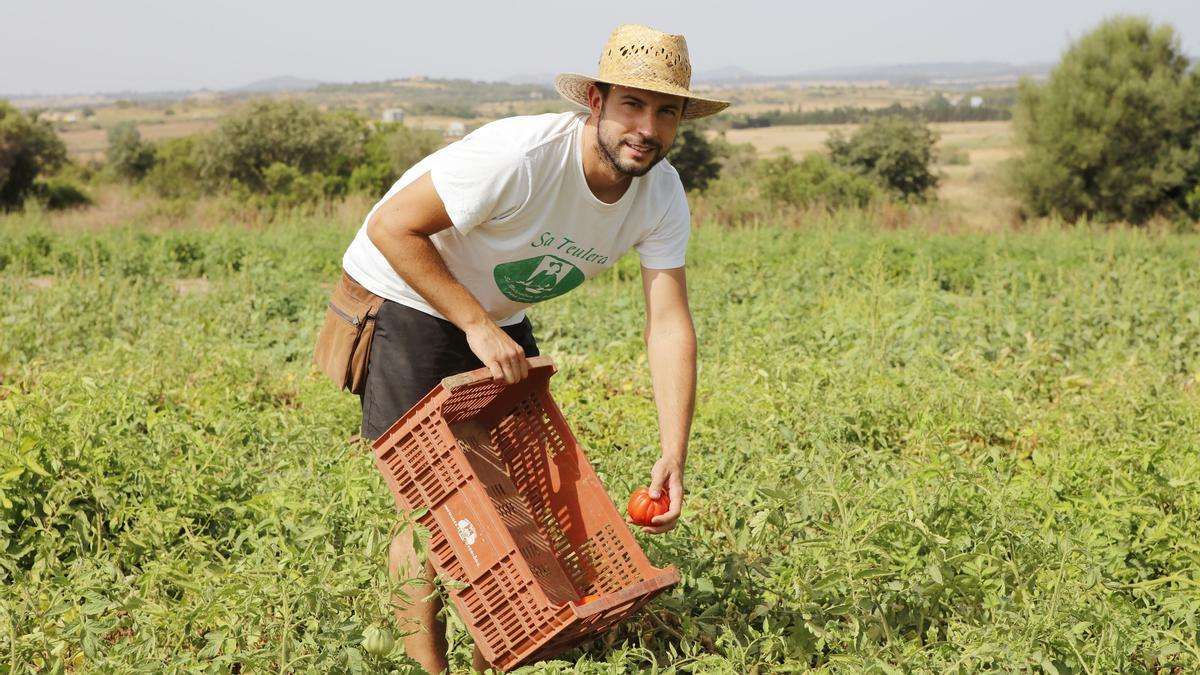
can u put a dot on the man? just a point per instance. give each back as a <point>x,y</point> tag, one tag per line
<point>520,211</point>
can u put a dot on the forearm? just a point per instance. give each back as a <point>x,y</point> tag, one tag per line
<point>417,261</point>
<point>671,351</point>
<point>401,229</point>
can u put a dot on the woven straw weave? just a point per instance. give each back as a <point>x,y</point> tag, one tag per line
<point>643,58</point>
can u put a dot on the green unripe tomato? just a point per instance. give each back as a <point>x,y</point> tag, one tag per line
<point>377,641</point>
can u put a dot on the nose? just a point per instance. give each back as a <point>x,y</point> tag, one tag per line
<point>647,125</point>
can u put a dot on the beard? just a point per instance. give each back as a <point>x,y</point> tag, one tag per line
<point>610,150</point>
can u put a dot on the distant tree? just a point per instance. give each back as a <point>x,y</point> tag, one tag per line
<point>694,157</point>
<point>28,148</point>
<point>272,132</point>
<point>388,153</point>
<point>1114,133</point>
<point>128,155</point>
<point>176,172</point>
<point>407,146</point>
<point>896,153</point>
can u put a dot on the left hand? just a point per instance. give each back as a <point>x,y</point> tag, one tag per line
<point>667,475</point>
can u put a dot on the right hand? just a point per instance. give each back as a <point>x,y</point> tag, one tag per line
<point>498,352</point>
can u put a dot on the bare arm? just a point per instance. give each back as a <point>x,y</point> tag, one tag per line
<point>401,229</point>
<point>671,351</point>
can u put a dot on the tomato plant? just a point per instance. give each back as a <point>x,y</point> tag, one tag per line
<point>378,641</point>
<point>941,453</point>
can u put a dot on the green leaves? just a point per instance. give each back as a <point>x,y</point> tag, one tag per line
<point>1110,135</point>
<point>912,453</point>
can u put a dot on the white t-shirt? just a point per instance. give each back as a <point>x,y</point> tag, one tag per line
<point>526,226</point>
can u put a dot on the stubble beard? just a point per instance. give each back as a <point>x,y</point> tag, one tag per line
<point>610,150</point>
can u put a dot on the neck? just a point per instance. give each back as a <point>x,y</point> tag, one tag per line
<point>603,179</point>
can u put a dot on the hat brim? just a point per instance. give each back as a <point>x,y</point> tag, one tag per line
<point>574,88</point>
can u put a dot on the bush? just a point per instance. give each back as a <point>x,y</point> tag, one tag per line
<point>813,181</point>
<point>407,146</point>
<point>694,157</point>
<point>270,132</point>
<point>129,157</point>
<point>61,193</point>
<point>278,155</point>
<point>733,197</point>
<point>896,153</point>
<point>176,172</point>
<point>1114,134</point>
<point>388,153</point>
<point>288,188</point>
<point>372,178</point>
<point>28,148</point>
<point>749,190</point>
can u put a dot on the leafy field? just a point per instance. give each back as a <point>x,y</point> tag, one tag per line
<point>913,452</point>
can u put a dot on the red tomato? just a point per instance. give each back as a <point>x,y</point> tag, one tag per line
<point>642,507</point>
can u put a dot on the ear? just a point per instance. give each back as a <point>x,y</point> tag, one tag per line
<point>595,99</point>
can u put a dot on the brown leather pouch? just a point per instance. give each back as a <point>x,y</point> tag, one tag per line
<point>344,343</point>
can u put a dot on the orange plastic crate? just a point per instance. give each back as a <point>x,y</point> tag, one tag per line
<point>516,513</point>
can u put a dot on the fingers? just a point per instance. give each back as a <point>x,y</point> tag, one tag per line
<point>503,357</point>
<point>676,492</point>
<point>674,487</point>
<point>513,367</point>
<point>672,513</point>
<point>656,483</point>
<point>664,521</point>
<point>497,371</point>
<point>506,373</point>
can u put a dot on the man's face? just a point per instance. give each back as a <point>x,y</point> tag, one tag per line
<point>636,128</point>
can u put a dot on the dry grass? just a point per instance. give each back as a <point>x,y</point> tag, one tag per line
<point>802,139</point>
<point>796,140</point>
<point>973,196</point>
<point>976,192</point>
<point>120,206</point>
<point>809,96</point>
<point>113,206</point>
<point>91,143</point>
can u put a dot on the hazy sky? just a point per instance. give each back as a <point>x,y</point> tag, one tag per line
<point>78,46</point>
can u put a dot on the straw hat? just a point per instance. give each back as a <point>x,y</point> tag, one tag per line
<point>643,58</point>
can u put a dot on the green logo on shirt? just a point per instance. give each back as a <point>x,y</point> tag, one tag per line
<point>536,279</point>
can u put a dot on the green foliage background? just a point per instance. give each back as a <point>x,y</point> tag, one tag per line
<point>274,155</point>
<point>896,153</point>
<point>913,452</point>
<point>29,149</point>
<point>1114,134</point>
<point>128,156</point>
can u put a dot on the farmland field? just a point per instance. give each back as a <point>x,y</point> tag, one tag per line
<point>913,452</point>
<point>800,140</point>
<point>973,189</point>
